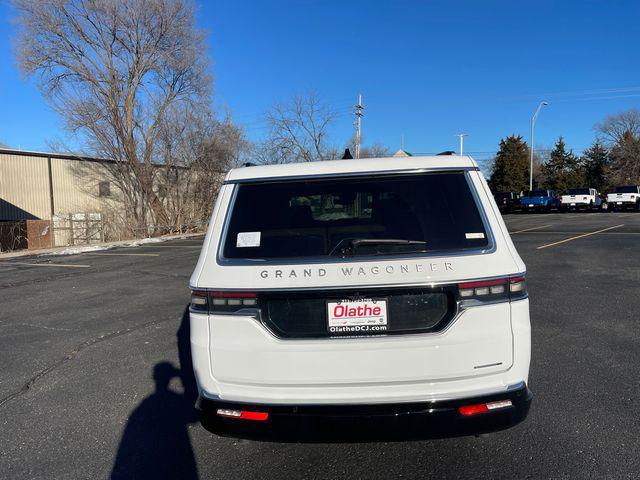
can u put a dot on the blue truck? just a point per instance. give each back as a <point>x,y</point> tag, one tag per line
<point>540,201</point>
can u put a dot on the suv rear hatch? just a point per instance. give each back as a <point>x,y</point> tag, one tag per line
<point>297,250</point>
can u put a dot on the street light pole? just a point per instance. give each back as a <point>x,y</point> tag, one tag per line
<point>461,136</point>
<point>533,125</point>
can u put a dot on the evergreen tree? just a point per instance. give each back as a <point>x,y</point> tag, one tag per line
<point>562,170</point>
<point>595,164</point>
<point>510,170</point>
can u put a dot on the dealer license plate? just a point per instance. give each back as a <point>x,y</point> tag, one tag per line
<point>531,204</point>
<point>619,203</point>
<point>363,316</point>
<point>573,204</point>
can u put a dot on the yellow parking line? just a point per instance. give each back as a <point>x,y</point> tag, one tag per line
<point>67,265</point>
<point>578,236</point>
<point>529,229</point>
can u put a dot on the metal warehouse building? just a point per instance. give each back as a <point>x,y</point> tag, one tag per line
<point>41,190</point>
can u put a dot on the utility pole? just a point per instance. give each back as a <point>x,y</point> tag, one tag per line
<point>359,114</point>
<point>533,125</point>
<point>461,136</point>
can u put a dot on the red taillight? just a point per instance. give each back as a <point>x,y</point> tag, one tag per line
<point>233,294</point>
<point>483,288</point>
<point>485,283</point>
<point>207,300</point>
<point>242,414</point>
<point>517,285</point>
<point>493,289</point>
<point>468,410</point>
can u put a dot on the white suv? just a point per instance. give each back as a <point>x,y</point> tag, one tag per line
<point>355,294</point>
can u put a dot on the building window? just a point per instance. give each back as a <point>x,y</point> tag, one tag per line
<point>104,189</point>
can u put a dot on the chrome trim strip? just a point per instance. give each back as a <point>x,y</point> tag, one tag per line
<point>243,262</point>
<point>319,176</point>
<point>487,365</point>
<point>361,286</point>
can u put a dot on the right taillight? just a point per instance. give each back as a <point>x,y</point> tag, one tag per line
<point>484,288</point>
<point>500,289</point>
<point>516,284</point>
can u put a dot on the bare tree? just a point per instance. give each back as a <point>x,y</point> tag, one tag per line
<point>625,160</point>
<point>210,148</point>
<point>614,127</point>
<point>298,131</point>
<point>376,150</point>
<point>196,151</point>
<point>114,70</point>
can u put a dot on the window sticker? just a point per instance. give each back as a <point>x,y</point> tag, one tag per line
<point>248,239</point>
<point>472,236</point>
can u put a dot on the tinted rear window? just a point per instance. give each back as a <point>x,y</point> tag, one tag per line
<point>536,193</point>
<point>579,191</point>
<point>629,189</point>
<point>319,218</point>
<point>503,196</point>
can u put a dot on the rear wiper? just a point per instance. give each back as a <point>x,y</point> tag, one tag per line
<point>348,246</point>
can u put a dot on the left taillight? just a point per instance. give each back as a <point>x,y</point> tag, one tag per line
<point>209,301</point>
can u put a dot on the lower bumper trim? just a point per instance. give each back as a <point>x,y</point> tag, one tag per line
<point>371,422</point>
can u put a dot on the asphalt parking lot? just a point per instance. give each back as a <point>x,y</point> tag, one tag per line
<point>91,348</point>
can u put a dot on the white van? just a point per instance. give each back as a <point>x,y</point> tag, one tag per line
<point>381,291</point>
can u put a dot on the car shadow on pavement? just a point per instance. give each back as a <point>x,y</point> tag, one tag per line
<point>155,442</point>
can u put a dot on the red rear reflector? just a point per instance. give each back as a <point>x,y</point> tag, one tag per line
<point>473,409</point>
<point>242,414</point>
<point>260,416</point>
<point>484,407</point>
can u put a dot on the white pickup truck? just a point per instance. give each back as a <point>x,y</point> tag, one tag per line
<point>624,197</point>
<point>577,198</point>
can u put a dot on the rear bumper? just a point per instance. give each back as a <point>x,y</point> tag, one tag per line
<point>369,422</point>
<point>535,206</point>
<point>622,204</point>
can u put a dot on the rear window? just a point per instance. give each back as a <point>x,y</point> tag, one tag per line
<point>354,216</point>
<point>629,189</point>
<point>504,196</point>
<point>579,191</point>
<point>536,193</point>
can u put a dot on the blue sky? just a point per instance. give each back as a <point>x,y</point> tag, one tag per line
<point>427,69</point>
